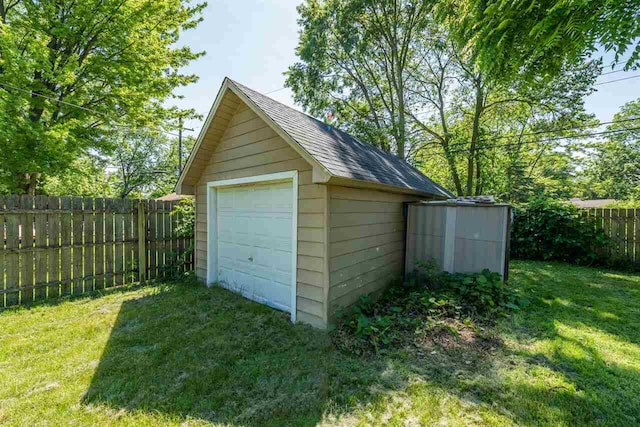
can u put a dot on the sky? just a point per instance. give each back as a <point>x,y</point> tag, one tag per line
<point>253,42</point>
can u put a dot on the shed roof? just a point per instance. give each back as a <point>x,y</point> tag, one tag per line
<point>338,153</point>
<point>172,197</point>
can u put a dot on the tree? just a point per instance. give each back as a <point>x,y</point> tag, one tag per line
<point>354,57</point>
<point>491,133</point>
<point>452,118</point>
<point>71,72</point>
<point>542,35</point>
<point>613,170</point>
<point>87,176</point>
<point>137,161</point>
<point>165,183</point>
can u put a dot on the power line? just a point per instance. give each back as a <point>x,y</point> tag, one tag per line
<point>90,110</point>
<point>618,80</point>
<point>622,70</point>
<point>485,147</point>
<point>275,90</point>
<point>542,132</point>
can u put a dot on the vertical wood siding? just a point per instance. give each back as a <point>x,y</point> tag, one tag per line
<point>249,147</point>
<point>366,243</point>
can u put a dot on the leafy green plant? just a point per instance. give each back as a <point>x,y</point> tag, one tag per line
<point>427,300</point>
<point>186,213</point>
<point>484,293</point>
<point>547,229</point>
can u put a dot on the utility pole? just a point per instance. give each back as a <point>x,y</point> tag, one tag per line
<point>179,145</point>
<point>181,128</point>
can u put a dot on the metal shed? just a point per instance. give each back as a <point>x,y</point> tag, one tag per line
<point>462,235</point>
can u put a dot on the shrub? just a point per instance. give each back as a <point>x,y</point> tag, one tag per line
<point>546,229</point>
<point>425,300</point>
<point>185,226</point>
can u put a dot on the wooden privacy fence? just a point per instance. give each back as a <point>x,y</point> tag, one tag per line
<point>623,228</point>
<point>54,246</point>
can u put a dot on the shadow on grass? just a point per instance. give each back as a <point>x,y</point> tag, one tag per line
<point>208,354</point>
<point>197,353</point>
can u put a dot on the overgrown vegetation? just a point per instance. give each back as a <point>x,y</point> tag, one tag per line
<point>185,215</point>
<point>424,304</point>
<point>547,229</point>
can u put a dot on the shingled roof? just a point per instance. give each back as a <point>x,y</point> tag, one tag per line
<point>341,154</point>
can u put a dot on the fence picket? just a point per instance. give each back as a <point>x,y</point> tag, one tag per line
<point>99,244</point>
<point>66,233</point>
<point>40,247</point>
<point>78,282</point>
<point>89,247</point>
<point>53,244</point>
<point>152,214</point>
<point>628,236</point>
<point>119,241</point>
<point>12,220</point>
<point>26,249</point>
<point>108,247</point>
<point>636,236</point>
<point>180,247</point>
<point>128,242</point>
<point>164,233</point>
<point>3,237</point>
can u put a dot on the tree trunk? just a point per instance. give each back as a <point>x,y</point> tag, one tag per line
<point>454,171</point>
<point>28,183</point>
<point>402,135</point>
<point>473,155</point>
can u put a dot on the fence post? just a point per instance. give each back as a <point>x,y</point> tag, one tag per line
<point>142,240</point>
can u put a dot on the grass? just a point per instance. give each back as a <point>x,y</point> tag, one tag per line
<point>177,354</point>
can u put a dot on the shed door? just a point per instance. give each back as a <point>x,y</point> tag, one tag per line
<point>255,241</point>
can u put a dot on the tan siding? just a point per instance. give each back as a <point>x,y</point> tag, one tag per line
<point>309,234</point>
<point>366,242</point>
<point>249,147</point>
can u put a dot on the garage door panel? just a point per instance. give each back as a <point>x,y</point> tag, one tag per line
<point>255,241</point>
<point>273,293</point>
<point>282,261</point>
<point>225,201</point>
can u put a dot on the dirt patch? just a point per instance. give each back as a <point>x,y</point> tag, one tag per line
<point>454,335</point>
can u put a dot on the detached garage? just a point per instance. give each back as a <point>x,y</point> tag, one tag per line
<point>292,213</point>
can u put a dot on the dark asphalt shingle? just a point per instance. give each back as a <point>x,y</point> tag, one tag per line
<point>342,154</point>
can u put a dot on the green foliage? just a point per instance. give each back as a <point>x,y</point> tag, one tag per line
<point>138,159</point>
<point>186,217</point>
<point>116,59</point>
<point>547,229</point>
<point>426,300</point>
<point>85,177</point>
<point>164,183</point>
<point>625,204</point>
<point>540,36</point>
<point>613,169</point>
<point>467,129</point>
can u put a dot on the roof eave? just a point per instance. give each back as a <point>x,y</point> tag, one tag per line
<point>180,187</point>
<point>361,183</point>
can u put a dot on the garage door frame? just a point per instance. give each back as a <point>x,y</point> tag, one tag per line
<point>212,223</point>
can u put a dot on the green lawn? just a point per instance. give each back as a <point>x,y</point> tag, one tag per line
<point>187,355</point>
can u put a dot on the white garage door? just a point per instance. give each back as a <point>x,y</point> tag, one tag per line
<point>255,242</point>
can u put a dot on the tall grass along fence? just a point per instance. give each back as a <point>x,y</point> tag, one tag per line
<point>56,246</point>
<point>622,226</point>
